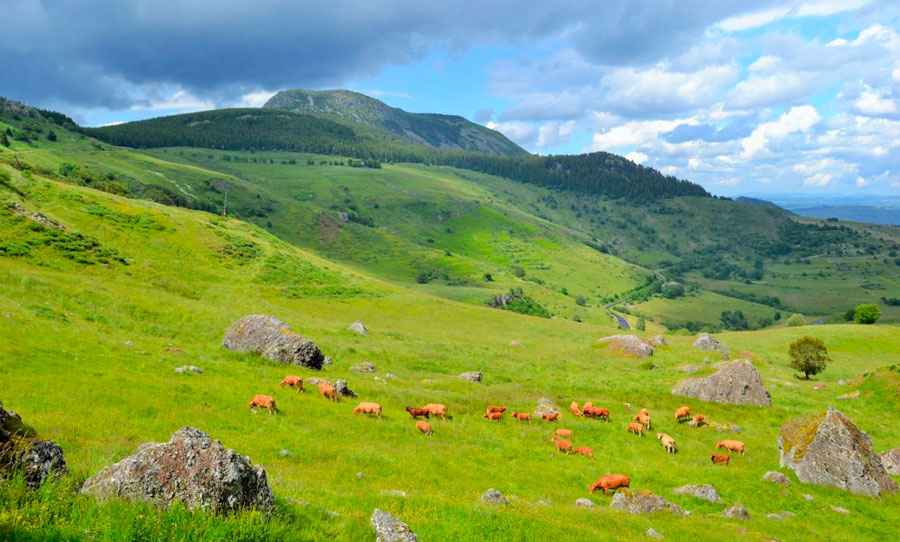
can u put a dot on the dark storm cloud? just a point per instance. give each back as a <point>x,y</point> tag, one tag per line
<point>112,53</point>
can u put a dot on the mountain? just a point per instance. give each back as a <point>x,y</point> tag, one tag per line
<point>856,213</point>
<point>434,130</point>
<point>756,201</point>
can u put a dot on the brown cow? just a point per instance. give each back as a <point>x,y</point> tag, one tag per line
<point>424,427</point>
<point>575,410</point>
<point>584,450</point>
<point>328,391</point>
<point>667,442</point>
<point>368,408</point>
<point>551,417</point>
<point>699,419</point>
<point>416,412</point>
<point>644,418</point>
<point>493,416</point>
<point>563,446</point>
<point>293,381</point>
<point>564,433</point>
<point>492,408</point>
<point>436,409</point>
<point>683,412</point>
<point>731,445</point>
<point>636,428</point>
<point>522,416</point>
<point>720,459</point>
<point>263,401</point>
<point>610,482</point>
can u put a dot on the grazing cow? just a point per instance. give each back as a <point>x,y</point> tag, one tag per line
<point>564,433</point>
<point>699,419</point>
<point>424,427</point>
<point>643,418</point>
<point>683,412</point>
<point>563,446</point>
<point>416,412</point>
<point>731,445</point>
<point>368,408</point>
<point>552,417</point>
<point>263,401</point>
<point>636,428</point>
<point>328,391</point>
<point>723,459</point>
<point>575,410</point>
<point>584,450</point>
<point>667,442</point>
<point>436,410</point>
<point>522,416</point>
<point>492,408</point>
<point>493,416</point>
<point>596,412</point>
<point>293,381</point>
<point>610,482</point>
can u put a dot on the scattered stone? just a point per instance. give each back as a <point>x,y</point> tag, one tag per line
<point>642,502</point>
<point>777,478</point>
<point>842,382</point>
<point>584,503</point>
<point>515,344</point>
<point>820,386</point>
<point>690,368</point>
<point>840,510</point>
<point>343,217</point>
<point>808,497</point>
<point>891,461</point>
<point>544,406</point>
<point>363,367</point>
<point>472,376</point>
<point>705,341</point>
<point>340,385</point>
<point>627,405</point>
<point>189,368</point>
<point>846,396</point>
<point>658,340</point>
<point>492,496</point>
<point>327,360</point>
<point>653,533</point>
<point>830,450</point>
<point>391,376</point>
<point>628,345</point>
<point>701,491</point>
<point>737,382</point>
<point>736,511</point>
<point>17,209</point>
<point>285,453</point>
<point>390,529</point>
<point>394,493</point>
<point>359,475</point>
<point>41,460</point>
<point>129,344</point>
<point>781,516</point>
<point>192,468</point>
<point>272,339</point>
<point>359,327</point>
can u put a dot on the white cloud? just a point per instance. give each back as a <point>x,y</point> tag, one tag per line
<point>752,20</point>
<point>728,181</point>
<point>798,119</point>
<point>828,7</point>
<point>661,88</point>
<point>765,90</point>
<point>255,99</point>
<point>860,182</point>
<point>554,133</point>
<point>819,8</point>
<point>522,133</point>
<point>637,157</point>
<point>694,163</point>
<point>385,93</point>
<point>635,133</point>
<point>819,179</point>
<point>668,170</point>
<point>875,102</point>
<point>765,63</point>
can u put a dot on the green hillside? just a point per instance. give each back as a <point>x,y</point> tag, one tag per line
<point>441,131</point>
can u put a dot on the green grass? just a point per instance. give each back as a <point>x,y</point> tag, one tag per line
<point>702,306</point>
<point>68,370</point>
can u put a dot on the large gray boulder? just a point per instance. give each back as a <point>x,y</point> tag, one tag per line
<point>701,491</point>
<point>736,382</point>
<point>472,376</point>
<point>544,406</point>
<point>891,461</point>
<point>829,450</point>
<point>736,511</point>
<point>642,502</point>
<point>273,339</point>
<point>492,496</point>
<point>390,529</point>
<point>628,345</point>
<point>192,468</point>
<point>705,341</point>
<point>359,327</point>
<point>340,385</point>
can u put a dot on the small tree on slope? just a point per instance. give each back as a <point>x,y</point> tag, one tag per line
<point>808,355</point>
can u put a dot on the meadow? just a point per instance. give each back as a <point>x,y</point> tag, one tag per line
<point>92,327</point>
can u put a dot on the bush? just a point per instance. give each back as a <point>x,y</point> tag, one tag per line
<point>808,355</point>
<point>518,271</point>
<point>867,313</point>
<point>796,320</point>
<point>580,300</point>
<point>671,290</point>
<point>640,325</point>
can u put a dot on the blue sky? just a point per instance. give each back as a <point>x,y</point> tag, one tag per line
<point>764,97</point>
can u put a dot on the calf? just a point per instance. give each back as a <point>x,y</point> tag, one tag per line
<point>667,442</point>
<point>551,417</point>
<point>636,428</point>
<point>493,416</point>
<point>436,409</point>
<point>522,416</point>
<point>643,418</point>
<point>564,433</point>
<point>424,427</point>
<point>368,408</point>
<point>723,459</point>
<point>563,446</point>
<point>328,391</point>
<point>610,482</point>
<point>584,450</point>
<point>731,445</point>
<point>292,381</point>
<point>263,401</point>
<point>699,419</point>
<point>416,412</point>
<point>492,408</point>
<point>575,410</point>
<point>683,412</point>
<point>596,412</point>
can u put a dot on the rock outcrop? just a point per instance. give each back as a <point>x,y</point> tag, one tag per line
<point>658,340</point>
<point>192,468</point>
<point>736,511</point>
<point>390,529</point>
<point>544,406</point>
<point>642,502</point>
<point>184,369</point>
<point>492,496</point>
<point>273,339</point>
<point>363,367</point>
<point>22,451</point>
<point>891,461</point>
<point>701,491</point>
<point>359,327</point>
<point>736,382</point>
<point>776,478</point>
<point>628,345</point>
<point>705,341</point>
<point>830,450</point>
<point>472,376</point>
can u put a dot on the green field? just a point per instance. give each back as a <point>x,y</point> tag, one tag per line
<point>702,306</point>
<point>92,327</point>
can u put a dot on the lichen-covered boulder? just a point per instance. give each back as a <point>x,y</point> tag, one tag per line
<point>891,461</point>
<point>390,529</point>
<point>830,450</point>
<point>705,341</point>
<point>273,339</point>
<point>642,502</point>
<point>359,327</point>
<point>472,376</point>
<point>363,367</point>
<point>193,468</point>
<point>545,406</point>
<point>658,340</point>
<point>628,345</point>
<point>701,491</point>
<point>21,451</point>
<point>736,382</point>
<point>492,496</point>
<point>776,478</point>
<point>736,511</point>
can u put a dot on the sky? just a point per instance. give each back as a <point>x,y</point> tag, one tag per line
<point>763,97</point>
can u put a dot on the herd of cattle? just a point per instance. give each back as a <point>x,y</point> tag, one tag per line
<point>639,423</point>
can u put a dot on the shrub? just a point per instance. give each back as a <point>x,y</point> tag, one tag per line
<point>867,313</point>
<point>796,320</point>
<point>671,290</point>
<point>518,271</point>
<point>808,355</point>
<point>640,325</point>
<point>580,300</point>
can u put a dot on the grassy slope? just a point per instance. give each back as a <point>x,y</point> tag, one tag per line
<point>101,398</point>
<point>701,306</point>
